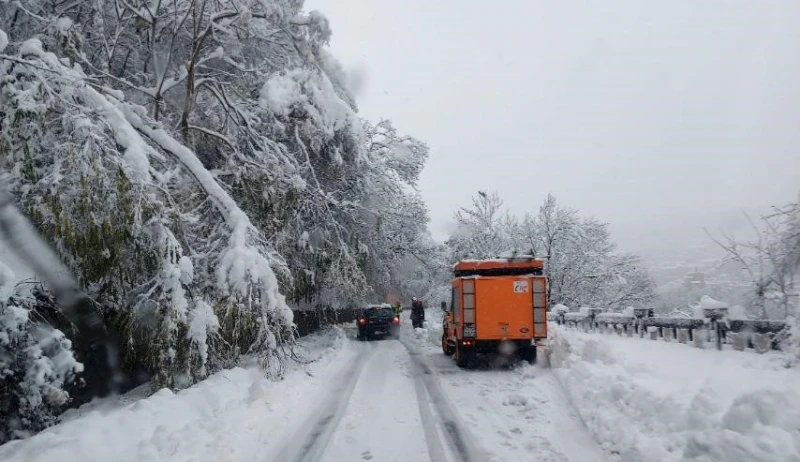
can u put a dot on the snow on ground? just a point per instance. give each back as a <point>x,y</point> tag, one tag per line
<point>517,412</point>
<point>605,398</point>
<point>650,400</point>
<point>383,417</point>
<point>233,415</point>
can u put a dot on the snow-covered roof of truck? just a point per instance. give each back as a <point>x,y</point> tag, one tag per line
<point>497,263</point>
<point>499,266</point>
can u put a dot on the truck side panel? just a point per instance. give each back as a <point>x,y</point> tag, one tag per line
<point>503,308</point>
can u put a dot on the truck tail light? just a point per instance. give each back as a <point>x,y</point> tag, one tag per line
<point>362,321</point>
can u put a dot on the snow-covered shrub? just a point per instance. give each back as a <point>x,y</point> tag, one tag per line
<point>36,363</point>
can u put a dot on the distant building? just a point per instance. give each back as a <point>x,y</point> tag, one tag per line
<point>695,279</point>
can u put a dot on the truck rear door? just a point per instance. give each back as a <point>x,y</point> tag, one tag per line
<point>503,307</point>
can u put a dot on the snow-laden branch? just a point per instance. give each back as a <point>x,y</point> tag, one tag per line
<point>242,263</point>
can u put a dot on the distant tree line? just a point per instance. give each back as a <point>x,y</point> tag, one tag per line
<point>582,264</point>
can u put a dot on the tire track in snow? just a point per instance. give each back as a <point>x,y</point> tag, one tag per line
<point>435,450</point>
<point>309,443</point>
<point>457,434</point>
<point>519,414</point>
<point>382,421</point>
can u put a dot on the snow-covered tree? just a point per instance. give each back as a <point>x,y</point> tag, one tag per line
<point>555,225</point>
<point>628,284</point>
<point>401,257</point>
<point>200,166</point>
<point>770,262</point>
<point>582,266</point>
<point>194,160</point>
<point>36,361</point>
<point>480,232</point>
<point>133,206</point>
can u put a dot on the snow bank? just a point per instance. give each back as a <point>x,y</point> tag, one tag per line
<point>234,415</point>
<point>654,401</point>
<point>759,426</point>
<point>707,303</point>
<point>3,40</point>
<point>432,328</point>
<point>628,311</point>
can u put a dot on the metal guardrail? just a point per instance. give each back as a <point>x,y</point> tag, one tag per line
<point>759,334</point>
<point>309,321</point>
<point>674,323</point>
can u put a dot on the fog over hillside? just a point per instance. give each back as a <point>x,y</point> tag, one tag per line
<point>683,247</point>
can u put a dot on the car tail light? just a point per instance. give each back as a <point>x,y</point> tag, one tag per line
<point>395,320</point>
<point>362,321</point>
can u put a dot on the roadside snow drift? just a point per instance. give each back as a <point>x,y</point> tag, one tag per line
<point>233,415</point>
<point>655,401</point>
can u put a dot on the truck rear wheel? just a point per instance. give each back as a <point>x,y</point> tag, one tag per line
<point>464,356</point>
<point>446,347</point>
<point>528,353</point>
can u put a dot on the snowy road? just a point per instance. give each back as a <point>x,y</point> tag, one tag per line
<point>402,400</point>
<point>383,406</point>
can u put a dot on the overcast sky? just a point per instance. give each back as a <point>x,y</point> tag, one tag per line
<point>657,117</point>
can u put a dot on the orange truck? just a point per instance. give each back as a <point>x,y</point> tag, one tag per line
<point>497,307</point>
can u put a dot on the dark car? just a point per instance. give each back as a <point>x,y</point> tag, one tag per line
<point>377,321</point>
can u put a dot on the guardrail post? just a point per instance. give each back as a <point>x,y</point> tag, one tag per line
<point>653,333</point>
<point>640,314</point>
<point>739,340</point>
<point>715,315</point>
<point>699,338</point>
<point>762,343</point>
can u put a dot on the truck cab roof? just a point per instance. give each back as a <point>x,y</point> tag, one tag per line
<point>517,266</point>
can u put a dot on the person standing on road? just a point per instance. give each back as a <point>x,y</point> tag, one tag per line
<point>397,308</point>
<point>417,312</point>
